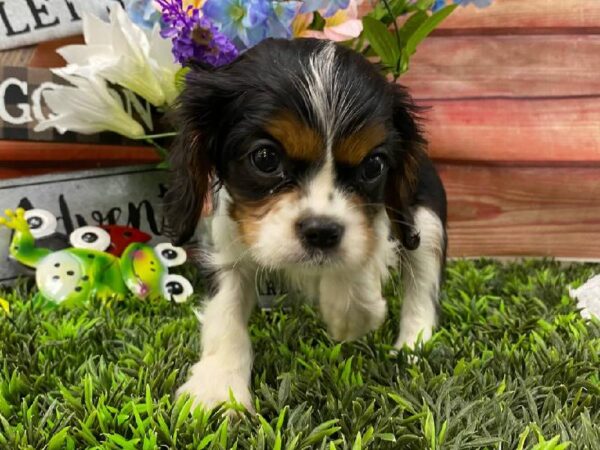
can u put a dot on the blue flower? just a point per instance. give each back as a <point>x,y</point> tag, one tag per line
<point>142,13</point>
<point>242,21</point>
<point>478,3</point>
<point>438,4</point>
<point>330,7</point>
<point>280,18</point>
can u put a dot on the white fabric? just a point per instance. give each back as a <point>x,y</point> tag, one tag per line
<point>27,22</point>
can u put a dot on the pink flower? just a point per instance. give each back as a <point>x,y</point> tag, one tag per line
<point>345,24</point>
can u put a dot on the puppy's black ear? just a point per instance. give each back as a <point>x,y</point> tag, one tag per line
<point>190,176</point>
<point>192,156</point>
<point>404,175</point>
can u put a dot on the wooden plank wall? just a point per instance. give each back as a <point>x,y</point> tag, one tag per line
<point>514,124</point>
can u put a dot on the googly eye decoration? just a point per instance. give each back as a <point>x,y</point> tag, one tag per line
<point>170,255</point>
<point>91,238</point>
<point>177,288</point>
<point>41,223</point>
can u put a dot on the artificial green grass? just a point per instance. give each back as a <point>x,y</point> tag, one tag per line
<point>514,366</point>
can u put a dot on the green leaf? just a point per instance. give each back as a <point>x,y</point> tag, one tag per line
<point>122,442</point>
<point>222,433</point>
<point>149,402</point>
<point>429,430</point>
<point>412,25</point>
<point>281,418</point>
<point>277,444</point>
<point>205,441</point>
<point>388,437</point>
<point>318,22</point>
<point>357,442</point>
<point>382,41</point>
<point>442,434</point>
<point>398,8</point>
<point>523,437</point>
<point>184,412</point>
<point>180,78</point>
<point>267,427</point>
<point>424,5</point>
<point>58,440</point>
<point>427,27</point>
<point>321,431</point>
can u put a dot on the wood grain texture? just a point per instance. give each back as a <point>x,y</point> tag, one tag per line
<point>530,130</point>
<point>45,55</point>
<point>505,66</point>
<point>503,211</point>
<point>29,170</point>
<point>17,57</point>
<point>22,158</point>
<point>526,16</point>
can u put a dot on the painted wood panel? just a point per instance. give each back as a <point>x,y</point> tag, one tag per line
<point>22,158</point>
<point>527,17</point>
<point>19,151</point>
<point>530,130</point>
<point>45,53</point>
<point>505,66</point>
<point>17,170</point>
<point>502,211</point>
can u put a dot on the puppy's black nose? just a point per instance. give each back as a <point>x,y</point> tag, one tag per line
<point>320,232</point>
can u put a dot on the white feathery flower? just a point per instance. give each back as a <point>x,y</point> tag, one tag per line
<point>124,54</point>
<point>87,107</point>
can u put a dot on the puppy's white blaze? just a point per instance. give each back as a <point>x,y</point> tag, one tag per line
<point>320,89</point>
<point>323,198</point>
<point>421,279</point>
<point>320,190</point>
<point>332,107</point>
<point>350,301</point>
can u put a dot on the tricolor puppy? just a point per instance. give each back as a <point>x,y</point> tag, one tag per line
<point>323,177</point>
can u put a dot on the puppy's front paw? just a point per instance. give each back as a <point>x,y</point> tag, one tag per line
<point>410,335</point>
<point>210,384</point>
<point>348,322</point>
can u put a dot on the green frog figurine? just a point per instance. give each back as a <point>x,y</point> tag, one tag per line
<point>73,275</point>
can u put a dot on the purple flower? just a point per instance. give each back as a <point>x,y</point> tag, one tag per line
<point>195,38</point>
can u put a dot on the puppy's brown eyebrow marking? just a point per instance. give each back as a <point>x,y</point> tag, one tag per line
<point>352,149</point>
<point>299,140</point>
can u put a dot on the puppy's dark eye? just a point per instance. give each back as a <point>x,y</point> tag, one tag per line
<point>266,159</point>
<point>373,167</point>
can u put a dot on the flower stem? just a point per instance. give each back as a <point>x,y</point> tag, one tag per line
<point>397,33</point>
<point>158,136</point>
<point>161,151</point>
